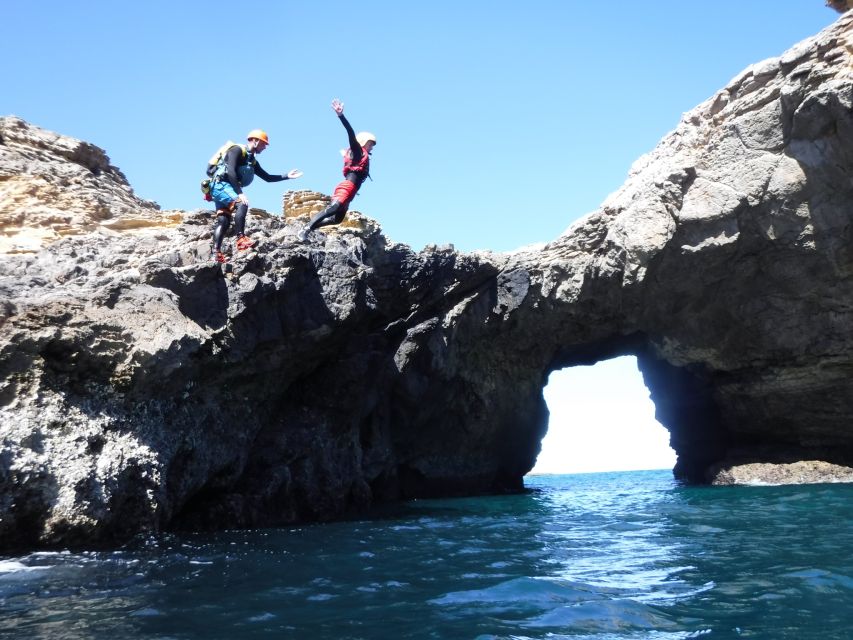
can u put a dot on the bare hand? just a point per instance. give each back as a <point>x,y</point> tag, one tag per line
<point>242,198</point>
<point>338,106</point>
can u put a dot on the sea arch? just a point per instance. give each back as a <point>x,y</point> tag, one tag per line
<point>601,420</point>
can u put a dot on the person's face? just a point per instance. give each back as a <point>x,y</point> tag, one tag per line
<point>369,146</point>
<point>260,145</point>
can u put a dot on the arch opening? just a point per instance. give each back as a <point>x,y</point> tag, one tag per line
<point>602,419</point>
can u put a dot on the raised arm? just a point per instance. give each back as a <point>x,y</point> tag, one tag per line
<point>355,148</point>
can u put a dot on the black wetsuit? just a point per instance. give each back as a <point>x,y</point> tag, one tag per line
<point>233,159</point>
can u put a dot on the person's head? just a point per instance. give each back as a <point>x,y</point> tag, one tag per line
<point>258,140</point>
<point>367,140</point>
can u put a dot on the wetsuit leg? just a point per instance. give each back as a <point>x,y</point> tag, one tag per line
<point>240,218</point>
<point>333,214</point>
<point>224,197</point>
<point>219,231</point>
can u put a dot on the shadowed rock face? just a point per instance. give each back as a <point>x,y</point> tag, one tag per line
<point>143,388</point>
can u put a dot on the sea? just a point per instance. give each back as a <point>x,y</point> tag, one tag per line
<point>595,556</point>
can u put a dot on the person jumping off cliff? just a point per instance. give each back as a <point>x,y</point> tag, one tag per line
<point>235,168</point>
<point>356,170</point>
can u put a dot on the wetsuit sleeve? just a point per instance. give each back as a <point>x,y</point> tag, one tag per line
<point>355,148</point>
<point>233,157</point>
<point>263,175</point>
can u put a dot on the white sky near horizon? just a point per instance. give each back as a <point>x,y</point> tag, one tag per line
<point>602,419</point>
<point>498,123</point>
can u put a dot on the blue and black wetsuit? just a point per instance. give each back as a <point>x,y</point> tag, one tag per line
<point>237,172</point>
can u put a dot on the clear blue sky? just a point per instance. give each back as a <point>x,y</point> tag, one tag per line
<point>498,123</point>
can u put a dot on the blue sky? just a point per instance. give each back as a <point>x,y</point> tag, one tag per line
<point>498,123</point>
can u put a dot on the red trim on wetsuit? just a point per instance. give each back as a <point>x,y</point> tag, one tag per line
<point>360,168</point>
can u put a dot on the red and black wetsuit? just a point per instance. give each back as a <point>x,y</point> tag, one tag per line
<point>356,170</point>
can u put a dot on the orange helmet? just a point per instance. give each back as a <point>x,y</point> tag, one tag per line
<point>258,134</point>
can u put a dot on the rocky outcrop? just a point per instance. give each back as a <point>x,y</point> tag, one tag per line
<point>53,186</point>
<point>143,388</point>
<point>840,6</point>
<point>775,473</point>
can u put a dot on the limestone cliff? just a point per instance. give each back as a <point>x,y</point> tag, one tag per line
<point>53,186</point>
<point>143,388</point>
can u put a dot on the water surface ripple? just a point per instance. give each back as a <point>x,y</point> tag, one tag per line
<point>599,556</point>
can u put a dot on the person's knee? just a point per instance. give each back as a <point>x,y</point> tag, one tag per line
<point>341,210</point>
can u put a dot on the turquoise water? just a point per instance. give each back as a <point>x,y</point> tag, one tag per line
<point>603,556</point>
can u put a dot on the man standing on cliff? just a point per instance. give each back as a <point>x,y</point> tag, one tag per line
<point>235,169</point>
<point>356,170</point>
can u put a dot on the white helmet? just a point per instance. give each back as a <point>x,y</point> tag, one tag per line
<point>364,137</point>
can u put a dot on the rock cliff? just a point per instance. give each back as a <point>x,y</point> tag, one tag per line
<point>143,388</point>
<point>52,186</point>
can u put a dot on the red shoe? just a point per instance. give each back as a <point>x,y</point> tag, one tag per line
<point>218,256</point>
<point>244,243</point>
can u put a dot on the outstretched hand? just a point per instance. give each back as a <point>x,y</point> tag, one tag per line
<point>293,173</point>
<point>338,106</point>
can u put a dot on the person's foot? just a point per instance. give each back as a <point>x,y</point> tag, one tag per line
<point>244,243</point>
<point>218,256</point>
<point>303,233</point>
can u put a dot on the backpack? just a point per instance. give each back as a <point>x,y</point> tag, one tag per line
<point>213,165</point>
<point>217,157</point>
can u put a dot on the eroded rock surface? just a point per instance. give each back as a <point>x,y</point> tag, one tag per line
<point>144,388</point>
<point>52,186</point>
<point>775,473</point>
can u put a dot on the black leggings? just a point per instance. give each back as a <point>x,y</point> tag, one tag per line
<point>224,221</point>
<point>333,214</point>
